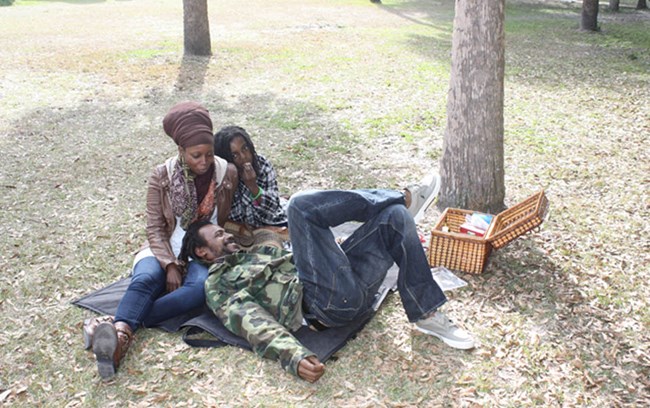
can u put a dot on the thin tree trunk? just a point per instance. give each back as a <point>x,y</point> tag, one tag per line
<point>196,27</point>
<point>641,5</point>
<point>589,20</point>
<point>614,5</point>
<point>471,167</point>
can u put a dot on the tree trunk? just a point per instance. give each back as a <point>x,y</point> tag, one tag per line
<point>196,27</point>
<point>589,20</point>
<point>641,5</point>
<point>471,166</point>
<point>614,5</point>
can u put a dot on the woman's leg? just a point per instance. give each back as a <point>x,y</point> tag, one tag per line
<point>148,281</point>
<point>189,296</point>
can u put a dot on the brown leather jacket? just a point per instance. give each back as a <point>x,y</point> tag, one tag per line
<point>160,217</point>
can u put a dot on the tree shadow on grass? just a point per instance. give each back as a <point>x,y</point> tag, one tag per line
<point>191,74</point>
<point>425,13</point>
<point>76,2</point>
<point>523,286</point>
<point>438,16</point>
<point>543,45</point>
<point>307,146</point>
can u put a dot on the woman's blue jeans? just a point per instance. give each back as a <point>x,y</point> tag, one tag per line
<point>340,282</point>
<point>145,301</point>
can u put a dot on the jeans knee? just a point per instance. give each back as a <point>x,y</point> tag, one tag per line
<point>298,206</point>
<point>195,288</point>
<point>147,282</point>
<point>399,213</point>
<point>196,274</point>
<point>296,202</point>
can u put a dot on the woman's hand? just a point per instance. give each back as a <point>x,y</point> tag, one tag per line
<point>174,277</point>
<point>247,173</point>
<point>249,177</point>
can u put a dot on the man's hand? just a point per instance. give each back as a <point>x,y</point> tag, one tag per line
<point>310,369</point>
<point>174,277</point>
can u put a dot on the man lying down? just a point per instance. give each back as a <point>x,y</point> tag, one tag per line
<point>265,294</point>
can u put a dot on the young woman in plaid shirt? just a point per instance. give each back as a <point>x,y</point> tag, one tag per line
<point>257,198</point>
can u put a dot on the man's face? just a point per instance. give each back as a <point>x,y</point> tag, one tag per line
<point>218,243</point>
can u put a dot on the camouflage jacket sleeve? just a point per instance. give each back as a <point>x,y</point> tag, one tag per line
<point>268,338</point>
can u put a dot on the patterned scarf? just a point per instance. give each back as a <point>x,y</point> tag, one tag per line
<point>184,198</point>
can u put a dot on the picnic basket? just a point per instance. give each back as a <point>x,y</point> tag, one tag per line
<point>459,251</point>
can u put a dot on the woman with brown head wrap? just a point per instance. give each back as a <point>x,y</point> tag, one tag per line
<point>195,185</point>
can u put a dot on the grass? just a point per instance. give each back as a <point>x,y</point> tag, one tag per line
<point>340,94</point>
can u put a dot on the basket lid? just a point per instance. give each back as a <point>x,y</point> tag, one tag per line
<point>517,220</point>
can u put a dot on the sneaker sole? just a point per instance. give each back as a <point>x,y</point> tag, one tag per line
<point>104,346</point>
<point>88,337</point>
<point>461,345</point>
<point>432,197</point>
<point>88,340</point>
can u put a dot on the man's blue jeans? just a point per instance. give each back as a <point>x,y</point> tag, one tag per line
<point>340,282</point>
<point>145,301</point>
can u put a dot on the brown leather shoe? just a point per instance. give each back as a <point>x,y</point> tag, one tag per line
<point>89,328</point>
<point>110,344</point>
<point>124,338</point>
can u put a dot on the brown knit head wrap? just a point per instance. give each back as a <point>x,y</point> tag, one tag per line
<point>189,124</point>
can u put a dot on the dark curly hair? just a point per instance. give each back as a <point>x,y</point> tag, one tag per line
<point>226,135</point>
<point>192,240</point>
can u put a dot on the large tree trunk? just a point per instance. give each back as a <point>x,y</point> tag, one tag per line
<point>589,20</point>
<point>196,27</point>
<point>641,5</point>
<point>471,166</point>
<point>614,5</point>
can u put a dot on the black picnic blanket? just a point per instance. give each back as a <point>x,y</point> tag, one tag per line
<point>201,321</point>
<point>323,343</point>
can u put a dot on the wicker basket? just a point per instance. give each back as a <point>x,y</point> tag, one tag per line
<point>468,253</point>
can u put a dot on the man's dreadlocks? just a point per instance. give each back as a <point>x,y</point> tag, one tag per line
<point>192,240</point>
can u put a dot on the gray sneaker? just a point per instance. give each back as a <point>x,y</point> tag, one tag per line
<point>423,194</point>
<point>440,326</point>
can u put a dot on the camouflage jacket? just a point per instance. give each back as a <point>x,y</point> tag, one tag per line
<point>257,296</point>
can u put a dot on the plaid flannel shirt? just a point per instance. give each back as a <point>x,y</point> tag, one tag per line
<point>268,209</point>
